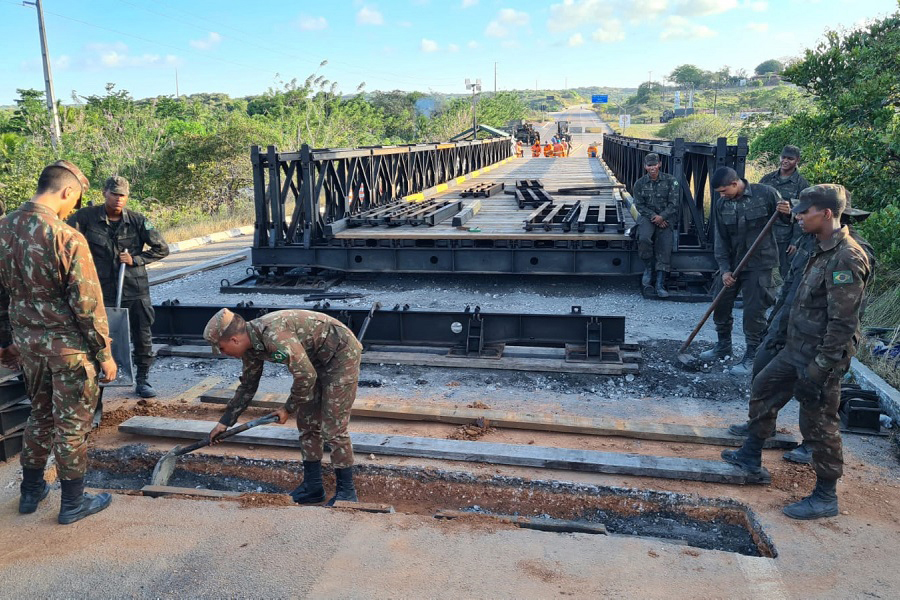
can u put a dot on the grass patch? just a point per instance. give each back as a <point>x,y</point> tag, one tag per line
<point>184,223</point>
<point>647,131</point>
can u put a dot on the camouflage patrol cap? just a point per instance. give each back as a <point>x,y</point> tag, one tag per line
<point>651,159</point>
<point>824,195</point>
<point>853,215</point>
<point>117,185</point>
<point>791,151</point>
<point>216,327</point>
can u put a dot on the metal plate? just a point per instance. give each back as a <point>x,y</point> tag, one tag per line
<point>120,334</point>
<point>12,418</point>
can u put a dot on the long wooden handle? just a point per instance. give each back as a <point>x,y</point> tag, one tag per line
<point>750,251</point>
<point>270,418</point>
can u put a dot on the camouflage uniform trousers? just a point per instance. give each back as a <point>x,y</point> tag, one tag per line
<point>759,296</point>
<point>63,392</point>
<point>783,235</point>
<point>325,416</point>
<point>763,357</point>
<point>819,420</point>
<point>655,242</point>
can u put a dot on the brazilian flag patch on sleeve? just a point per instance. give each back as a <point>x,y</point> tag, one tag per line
<point>279,357</point>
<point>841,277</point>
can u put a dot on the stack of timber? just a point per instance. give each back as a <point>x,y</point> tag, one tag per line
<point>399,213</point>
<point>485,189</point>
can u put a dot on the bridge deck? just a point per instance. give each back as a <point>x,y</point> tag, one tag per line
<point>500,217</point>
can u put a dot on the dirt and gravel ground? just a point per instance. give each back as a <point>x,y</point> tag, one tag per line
<point>143,547</point>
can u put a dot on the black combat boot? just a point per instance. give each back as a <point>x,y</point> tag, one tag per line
<point>76,504</point>
<point>720,350</point>
<point>745,367</point>
<point>741,429</point>
<point>33,490</point>
<point>142,386</point>
<point>749,458</point>
<point>661,284</point>
<point>311,491</point>
<point>647,277</point>
<point>345,491</point>
<point>821,503</point>
<point>802,454</point>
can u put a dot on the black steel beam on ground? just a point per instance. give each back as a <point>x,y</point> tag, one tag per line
<point>181,323</point>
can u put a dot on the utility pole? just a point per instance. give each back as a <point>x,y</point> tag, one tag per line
<point>48,77</point>
<point>475,87</point>
<point>495,77</point>
<point>176,83</point>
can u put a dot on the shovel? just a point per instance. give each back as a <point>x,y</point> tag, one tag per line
<point>683,357</point>
<point>120,335</point>
<point>166,465</point>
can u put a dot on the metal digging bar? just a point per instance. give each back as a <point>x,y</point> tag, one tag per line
<point>470,331</point>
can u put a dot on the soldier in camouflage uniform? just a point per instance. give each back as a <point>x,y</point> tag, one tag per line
<point>822,331</point>
<point>117,235</point>
<point>776,335</point>
<point>323,355</point>
<point>788,182</point>
<point>656,197</point>
<point>740,214</point>
<point>52,321</point>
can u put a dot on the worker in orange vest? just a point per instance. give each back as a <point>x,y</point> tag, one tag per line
<point>558,149</point>
<point>536,150</point>
<point>520,152</point>
<point>592,150</point>
<point>548,150</point>
<point>565,146</point>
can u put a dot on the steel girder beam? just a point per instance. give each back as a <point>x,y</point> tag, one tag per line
<point>691,163</point>
<point>452,329</point>
<point>327,185</point>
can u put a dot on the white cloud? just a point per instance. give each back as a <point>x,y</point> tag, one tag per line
<point>113,58</point>
<point>209,42</point>
<point>511,44</point>
<point>576,40</point>
<point>611,31</point>
<point>472,44</point>
<point>63,62</point>
<point>453,48</point>
<point>700,8</point>
<point>758,27</point>
<point>404,24</point>
<point>468,3</point>
<point>307,23</point>
<point>572,14</point>
<point>500,26</point>
<point>369,16</point>
<point>646,10</point>
<point>757,6</point>
<point>429,45</point>
<point>680,28</point>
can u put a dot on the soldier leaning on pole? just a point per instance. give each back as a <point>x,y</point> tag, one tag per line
<point>656,197</point>
<point>788,182</point>
<point>53,323</point>
<point>822,332</point>
<point>323,355</point>
<point>117,235</point>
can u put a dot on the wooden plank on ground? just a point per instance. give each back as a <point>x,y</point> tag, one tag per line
<point>571,459</point>
<point>537,523</point>
<point>371,507</point>
<point>662,432</point>
<point>208,265</point>
<point>422,359</point>
<point>156,491</point>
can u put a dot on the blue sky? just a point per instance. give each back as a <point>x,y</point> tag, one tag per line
<point>241,47</point>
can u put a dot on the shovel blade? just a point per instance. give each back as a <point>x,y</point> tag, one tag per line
<point>164,468</point>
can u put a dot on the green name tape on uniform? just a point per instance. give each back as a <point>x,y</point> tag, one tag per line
<point>841,277</point>
<point>148,226</point>
<point>278,357</point>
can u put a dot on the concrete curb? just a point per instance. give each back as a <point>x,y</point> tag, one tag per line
<point>869,380</point>
<point>219,236</point>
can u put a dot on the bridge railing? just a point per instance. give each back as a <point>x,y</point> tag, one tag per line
<point>321,187</point>
<point>692,164</point>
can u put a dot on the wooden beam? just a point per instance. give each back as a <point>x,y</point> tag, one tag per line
<point>537,523</point>
<point>372,507</point>
<point>466,214</point>
<point>570,459</point>
<point>424,359</point>
<point>663,432</point>
<point>208,265</point>
<point>156,491</point>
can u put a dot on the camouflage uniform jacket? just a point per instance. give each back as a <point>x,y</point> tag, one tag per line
<point>789,188</point>
<point>824,319</point>
<point>106,242</point>
<point>739,222</point>
<point>50,299</point>
<point>660,197</point>
<point>309,343</point>
<point>807,243</point>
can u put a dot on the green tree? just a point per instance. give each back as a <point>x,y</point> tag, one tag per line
<point>769,66</point>
<point>689,75</point>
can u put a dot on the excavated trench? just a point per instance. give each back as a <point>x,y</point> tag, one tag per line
<point>715,524</point>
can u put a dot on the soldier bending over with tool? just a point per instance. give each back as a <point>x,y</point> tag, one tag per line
<point>323,355</point>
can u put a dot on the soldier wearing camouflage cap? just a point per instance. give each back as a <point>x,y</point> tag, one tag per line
<point>788,182</point>
<point>656,197</point>
<point>323,355</point>
<point>53,324</point>
<point>118,236</point>
<point>822,329</point>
